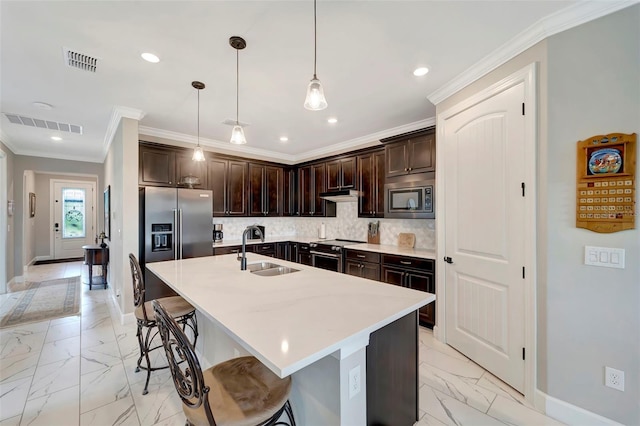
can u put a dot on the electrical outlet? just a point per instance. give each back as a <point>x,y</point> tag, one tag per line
<point>354,381</point>
<point>614,378</point>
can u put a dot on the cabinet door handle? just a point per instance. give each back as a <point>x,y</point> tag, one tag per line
<point>406,169</point>
<point>410,168</point>
<point>362,256</point>
<point>405,262</point>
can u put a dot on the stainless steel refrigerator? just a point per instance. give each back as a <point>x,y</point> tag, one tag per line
<point>176,223</point>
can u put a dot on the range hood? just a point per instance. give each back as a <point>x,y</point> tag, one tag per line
<point>342,195</point>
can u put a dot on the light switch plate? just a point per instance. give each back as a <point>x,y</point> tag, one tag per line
<point>604,256</point>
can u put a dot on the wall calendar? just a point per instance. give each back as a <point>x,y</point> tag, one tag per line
<point>605,184</point>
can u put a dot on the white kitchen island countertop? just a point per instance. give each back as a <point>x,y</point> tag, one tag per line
<point>288,321</point>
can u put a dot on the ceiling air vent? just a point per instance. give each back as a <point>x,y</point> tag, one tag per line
<point>79,60</point>
<point>43,124</point>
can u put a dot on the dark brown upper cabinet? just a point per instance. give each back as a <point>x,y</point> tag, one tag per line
<point>371,183</point>
<point>414,154</point>
<point>312,182</point>
<point>265,190</point>
<point>185,166</point>
<point>290,205</point>
<point>228,181</point>
<point>157,166</point>
<point>341,174</point>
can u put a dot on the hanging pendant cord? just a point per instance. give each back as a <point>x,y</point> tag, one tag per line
<point>237,84</point>
<point>315,40</point>
<point>198,117</point>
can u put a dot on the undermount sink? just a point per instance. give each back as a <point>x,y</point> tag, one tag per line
<point>272,272</point>
<point>259,266</point>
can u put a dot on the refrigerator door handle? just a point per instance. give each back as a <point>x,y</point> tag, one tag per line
<point>180,215</point>
<point>176,234</point>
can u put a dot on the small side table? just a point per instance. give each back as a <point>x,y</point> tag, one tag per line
<point>96,255</point>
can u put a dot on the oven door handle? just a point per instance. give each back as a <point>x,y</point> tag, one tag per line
<point>317,253</point>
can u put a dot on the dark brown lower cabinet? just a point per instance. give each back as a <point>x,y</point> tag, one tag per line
<point>217,251</point>
<point>304,254</point>
<point>417,274</point>
<point>392,374</point>
<point>265,249</point>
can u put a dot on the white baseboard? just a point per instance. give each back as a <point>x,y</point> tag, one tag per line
<point>39,258</point>
<point>569,413</point>
<point>124,318</point>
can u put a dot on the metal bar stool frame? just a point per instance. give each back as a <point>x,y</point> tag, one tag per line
<point>189,381</point>
<point>187,320</point>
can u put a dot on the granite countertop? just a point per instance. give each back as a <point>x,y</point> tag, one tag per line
<point>400,251</point>
<point>378,248</point>
<point>288,321</point>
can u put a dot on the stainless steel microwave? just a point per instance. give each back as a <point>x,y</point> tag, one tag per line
<point>410,200</point>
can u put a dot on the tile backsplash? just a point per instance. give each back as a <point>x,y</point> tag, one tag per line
<point>346,225</point>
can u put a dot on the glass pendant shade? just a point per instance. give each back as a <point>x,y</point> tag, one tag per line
<point>237,135</point>
<point>198,154</point>
<point>315,100</point>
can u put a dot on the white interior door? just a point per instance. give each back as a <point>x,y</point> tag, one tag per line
<point>73,218</point>
<point>485,222</point>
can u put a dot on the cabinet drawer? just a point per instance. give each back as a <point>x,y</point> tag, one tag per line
<point>365,256</point>
<point>264,248</point>
<point>226,250</point>
<point>409,262</point>
<point>303,248</point>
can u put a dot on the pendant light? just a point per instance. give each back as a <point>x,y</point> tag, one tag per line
<point>315,100</point>
<point>198,154</point>
<point>237,134</point>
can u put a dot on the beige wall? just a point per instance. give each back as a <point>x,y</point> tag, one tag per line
<point>8,185</point>
<point>29,231</point>
<point>43,209</point>
<point>587,317</point>
<point>22,163</point>
<point>121,172</point>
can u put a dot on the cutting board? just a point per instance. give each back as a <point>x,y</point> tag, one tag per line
<point>406,240</point>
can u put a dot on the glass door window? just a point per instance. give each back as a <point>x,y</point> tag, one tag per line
<point>74,211</point>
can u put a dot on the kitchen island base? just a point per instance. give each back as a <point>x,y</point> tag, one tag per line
<point>388,367</point>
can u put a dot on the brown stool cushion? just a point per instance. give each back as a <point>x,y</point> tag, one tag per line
<point>176,306</point>
<point>243,392</point>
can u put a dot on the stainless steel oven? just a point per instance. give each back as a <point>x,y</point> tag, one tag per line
<point>410,200</point>
<point>329,255</point>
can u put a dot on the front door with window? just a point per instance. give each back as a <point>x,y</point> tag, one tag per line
<point>73,218</point>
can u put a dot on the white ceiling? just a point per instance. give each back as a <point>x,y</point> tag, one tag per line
<point>367,51</point>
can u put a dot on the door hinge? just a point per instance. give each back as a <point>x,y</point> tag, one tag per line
<point>522,185</point>
<point>523,272</point>
<point>523,354</point>
<point>523,108</point>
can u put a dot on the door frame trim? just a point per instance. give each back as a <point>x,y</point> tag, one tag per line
<point>528,76</point>
<point>52,183</point>
<point>4,220</point>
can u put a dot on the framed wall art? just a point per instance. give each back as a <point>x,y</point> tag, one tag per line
<point>605,183</point>
<point>107,212</point>
<point>32,204</point>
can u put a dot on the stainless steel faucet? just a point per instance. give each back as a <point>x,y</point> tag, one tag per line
<point>243,259</point>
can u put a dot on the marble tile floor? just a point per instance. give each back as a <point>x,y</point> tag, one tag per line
<point>80,371</point>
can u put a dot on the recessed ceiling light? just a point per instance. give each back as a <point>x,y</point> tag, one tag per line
<point>42,105</point>
<point>150,57</point>
<point>284,139</point>
<point>56,138</point>
<point>419,72</point>
<point>332,120</point>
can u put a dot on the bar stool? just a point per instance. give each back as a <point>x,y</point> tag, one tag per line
<point>240,391</point>
<point>178,308</point>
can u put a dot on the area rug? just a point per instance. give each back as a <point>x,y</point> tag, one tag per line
<point>44,301</point>
<point>48,262</point>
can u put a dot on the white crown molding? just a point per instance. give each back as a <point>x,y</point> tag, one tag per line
<point>218,145</point>
<point>362,141</point>
<point>118,113</point>
<point>349,145</point>
<point>4,138</point>
<point>43,154</point>
<point>569,17</point>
